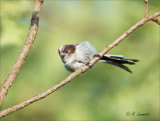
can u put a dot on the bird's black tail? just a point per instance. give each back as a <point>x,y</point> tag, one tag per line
<point>118,60</point>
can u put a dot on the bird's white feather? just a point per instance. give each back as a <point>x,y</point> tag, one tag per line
<point>85,52</point>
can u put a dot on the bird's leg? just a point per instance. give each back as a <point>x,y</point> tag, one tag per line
<point>96,55</point>
<point>89,65</point>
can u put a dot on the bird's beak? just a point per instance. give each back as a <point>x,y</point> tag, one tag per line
<point>62,56</point>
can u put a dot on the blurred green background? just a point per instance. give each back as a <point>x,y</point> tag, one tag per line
<point>104,92</point>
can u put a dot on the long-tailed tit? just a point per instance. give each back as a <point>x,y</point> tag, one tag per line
<point>77,55</point>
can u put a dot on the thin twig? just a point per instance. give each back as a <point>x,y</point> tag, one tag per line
<point>147,10</point>
<point>26,47</point>
<point>77,72</point>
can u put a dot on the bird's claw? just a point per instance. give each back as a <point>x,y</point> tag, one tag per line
<point>89,65</point>
<point>97,55</point>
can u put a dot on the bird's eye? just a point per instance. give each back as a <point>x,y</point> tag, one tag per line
<point>67,51</point>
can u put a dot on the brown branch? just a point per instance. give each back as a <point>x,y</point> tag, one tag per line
<point>77,72</point>
<point>156,20</point>
<point>147,10</point>
<point>147,13</point>
<point>26,47</point>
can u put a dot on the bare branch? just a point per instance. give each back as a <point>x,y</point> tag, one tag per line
<point>26,47</point>
<point>147,13</point>
<point>79,71</point>
<point>147,10</point>
<point>156,20</point>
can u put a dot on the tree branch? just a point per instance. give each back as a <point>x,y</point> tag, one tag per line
<point>79,71</point>
<point>156,20</point>
<point>147,10</point>
<point>147,13</point>
<point>26,47</point>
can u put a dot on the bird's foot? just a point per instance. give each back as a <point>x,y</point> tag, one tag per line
<point>97,55</point>
<point>89,65</point>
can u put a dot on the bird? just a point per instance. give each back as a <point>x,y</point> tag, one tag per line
<point>74,56</point>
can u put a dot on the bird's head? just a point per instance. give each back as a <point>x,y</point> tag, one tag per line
<point>66,51</point>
